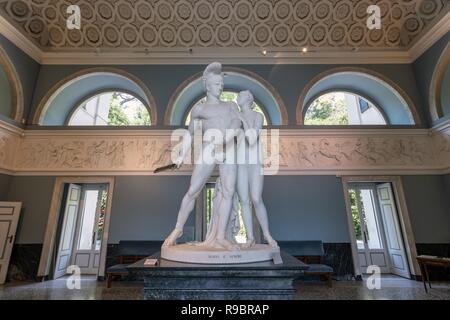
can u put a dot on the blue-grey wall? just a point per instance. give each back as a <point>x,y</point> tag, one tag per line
<point>424,67</point>
<point>306,208</point>
<point>299,208</point>
<point>447,187</point>
<point>35,193</point>
<point>4,186</point>
<point>445,93</point>
<point>146,208</point>
<point>288,80</point>
<point>428,204</point>
<point>27,69</point>
<point>5,94</point>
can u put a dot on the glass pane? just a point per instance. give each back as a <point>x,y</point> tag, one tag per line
<point>88,220</point>
<point>241,237</point>
<point>68,231</point>
<point>370,220</point>
<point>343,108</point>
<point>101,220</point>
<point>111,109</point>
<point>356,220</point>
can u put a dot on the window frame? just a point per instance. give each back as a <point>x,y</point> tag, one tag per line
<point>355,93</point>
<point>81,102</point>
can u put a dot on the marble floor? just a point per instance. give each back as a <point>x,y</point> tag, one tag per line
<point>392,288</point>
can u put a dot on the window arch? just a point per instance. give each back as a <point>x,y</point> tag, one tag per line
<point>235,80</point>
<point>227,96</point>
<point>11,97</point>
<point>59,104</point>
<point>111,108</point>
<point>439,102</point>
<point>392,102</point>
<point>343,108</point>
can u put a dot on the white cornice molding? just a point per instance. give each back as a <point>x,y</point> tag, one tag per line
<point>229,56</point>
<point>335,132</point>
<point>11,128</point>
<point>22,42</point>
<point>441,127</point>
<point>430,36</point>
<point>98,133</point>
<point>297,172</point>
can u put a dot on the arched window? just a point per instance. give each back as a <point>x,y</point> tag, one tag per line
<point>439,95</point>
<point>192,90</point>
<point>226,96</point>
<point>59,107</point>
<point>343,108</point>
<point>112,108</point>
<point>11,93</point>
<point>355,96</point>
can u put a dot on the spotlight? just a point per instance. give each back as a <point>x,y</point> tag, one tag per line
<point>264,52</point>
<point>304,50</point>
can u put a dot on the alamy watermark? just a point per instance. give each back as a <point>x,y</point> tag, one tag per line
<point>374,19</point>
<point>230,146</point>
<point>74,19</point>
<point>74,280</point>
<point>373,282</point>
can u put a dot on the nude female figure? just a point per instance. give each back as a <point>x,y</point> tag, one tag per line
<point>250,177</point>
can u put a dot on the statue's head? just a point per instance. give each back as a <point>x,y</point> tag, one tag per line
<point>245,99</point>
<point>213,79</point>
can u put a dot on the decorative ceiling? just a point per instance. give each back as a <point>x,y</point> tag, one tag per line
<point>222,23</point>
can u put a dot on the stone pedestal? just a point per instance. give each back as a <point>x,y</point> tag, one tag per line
<point>249,281</point>
<point>191,253</point>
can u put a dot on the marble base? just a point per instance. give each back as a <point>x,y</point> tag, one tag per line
<point>251,281</point>
<point>195,253</point>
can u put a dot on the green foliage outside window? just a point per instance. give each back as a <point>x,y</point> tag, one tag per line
<point>137,114</point>
<point>329,109</point>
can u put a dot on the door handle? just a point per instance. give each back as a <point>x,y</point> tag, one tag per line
<point>10,238</point>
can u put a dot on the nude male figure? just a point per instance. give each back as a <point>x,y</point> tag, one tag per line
<point>213,114</point>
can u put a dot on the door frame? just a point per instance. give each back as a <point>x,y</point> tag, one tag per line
<point>78,225</point>
<point>53,218</point>
<point>372,186</point>
<point>403,216</point>
<point>7,252</point>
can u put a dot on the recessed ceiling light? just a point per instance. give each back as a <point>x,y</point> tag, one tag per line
<point>305,50</point>
<point>264,52</point>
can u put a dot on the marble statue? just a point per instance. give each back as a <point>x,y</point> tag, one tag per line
<point>240,181</point>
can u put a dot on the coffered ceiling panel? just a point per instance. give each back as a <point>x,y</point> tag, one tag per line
<point>222,23</point>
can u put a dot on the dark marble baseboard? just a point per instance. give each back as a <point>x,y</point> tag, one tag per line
<point>24,262</point>
<point>436,249</point>
<point>339,257</point>
<point>111,254</point>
